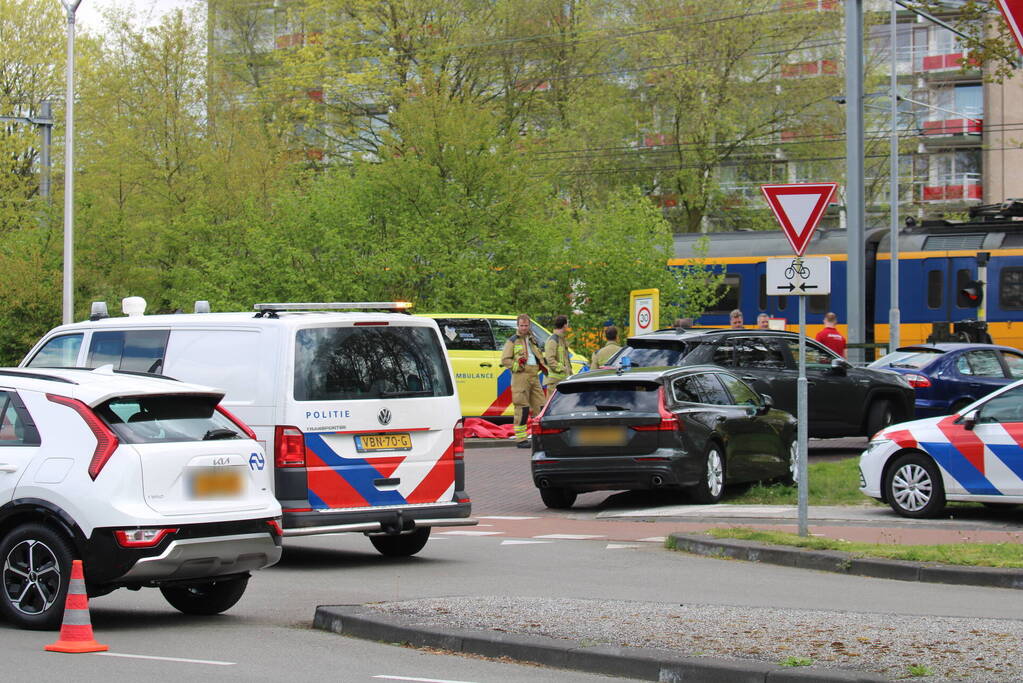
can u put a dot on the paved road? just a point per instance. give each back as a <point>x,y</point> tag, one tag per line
<point>268,636</point>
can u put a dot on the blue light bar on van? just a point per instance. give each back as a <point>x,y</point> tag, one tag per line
<point>337,306</point>
<point>271,310</point>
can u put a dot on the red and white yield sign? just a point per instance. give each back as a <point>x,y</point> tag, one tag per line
<point>799,208</point>
<point>1013,12</point>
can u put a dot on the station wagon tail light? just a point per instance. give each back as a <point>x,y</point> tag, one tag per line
<point>458,443</point>
<point>141,538</point>
<point>106,440</point>
<point>289,447</point>
<point>917,381</point>
<point>237,423</point>
<point>668,423</point>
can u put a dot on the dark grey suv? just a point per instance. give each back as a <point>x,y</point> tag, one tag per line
<point>842,400</point>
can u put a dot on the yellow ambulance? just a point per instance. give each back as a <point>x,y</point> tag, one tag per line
<point>474,342</point>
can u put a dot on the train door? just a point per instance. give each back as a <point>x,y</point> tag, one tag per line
<point>944,279</point>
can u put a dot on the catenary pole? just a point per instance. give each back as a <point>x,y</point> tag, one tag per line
<point>854,196</point>
<point>894,316</point>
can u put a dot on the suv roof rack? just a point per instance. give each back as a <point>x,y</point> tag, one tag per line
<point>37,375</point>
<point>271,310</point>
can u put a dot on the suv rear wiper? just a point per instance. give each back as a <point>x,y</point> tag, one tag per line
<point>220,433</point>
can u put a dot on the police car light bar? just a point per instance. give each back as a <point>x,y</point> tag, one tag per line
<point>336,306</point>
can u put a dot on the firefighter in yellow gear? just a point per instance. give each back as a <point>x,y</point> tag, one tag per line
<point>522,355</point>
<point>555,354</point>
<point>601,356</point>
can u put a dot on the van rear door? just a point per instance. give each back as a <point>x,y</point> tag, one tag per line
<point>372,417</point>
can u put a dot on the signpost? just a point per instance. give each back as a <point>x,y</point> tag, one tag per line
<point>799,209</point>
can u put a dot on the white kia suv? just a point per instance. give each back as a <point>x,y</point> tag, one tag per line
<point>147,480</point>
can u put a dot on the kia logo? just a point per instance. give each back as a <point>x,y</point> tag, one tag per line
<point>384,416</point>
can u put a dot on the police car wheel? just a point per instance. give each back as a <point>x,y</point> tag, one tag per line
<point>558,498</point>
<point>35,563</point>
<point>402,545</point>
<point>913,487</point>
<point>214,597</point>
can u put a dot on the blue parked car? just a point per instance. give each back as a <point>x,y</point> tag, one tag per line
<point>948,377</point>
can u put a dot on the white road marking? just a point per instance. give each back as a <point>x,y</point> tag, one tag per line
<point>471,533</point>
<point>570,537</point>
<point>167,659</point>
<point>518,542</point>
<point>421,680</point>
<point>616,546</point>
<point>654,539</point>
<point>505,517</point>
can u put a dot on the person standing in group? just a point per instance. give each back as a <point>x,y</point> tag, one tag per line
<point>609,349</point>
<point>830,336</point>
<point>683,324</point>
<point>522,355</point>
<point>763,322</point>
<point>735,319</point>
<point>555,354</point>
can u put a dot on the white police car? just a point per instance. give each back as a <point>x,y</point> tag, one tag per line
<point>973,455</point>
<point>146,480</point>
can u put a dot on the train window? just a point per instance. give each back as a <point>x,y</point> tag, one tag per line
<point>1010,288</point>
<point>963,277</point>
<point>762,295</point>
<point>783,302</point>
<point>934,293</point>
<point>729,293</point>
<point>818,304</point>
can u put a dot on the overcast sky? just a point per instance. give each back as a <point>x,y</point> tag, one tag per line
<point>89,14</point>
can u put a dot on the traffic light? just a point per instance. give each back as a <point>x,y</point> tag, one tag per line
<point>972,294</point>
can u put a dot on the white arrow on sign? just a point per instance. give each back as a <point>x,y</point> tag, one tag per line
<point>799,276</point>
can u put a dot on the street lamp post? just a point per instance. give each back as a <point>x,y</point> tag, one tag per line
<point>69,165</point>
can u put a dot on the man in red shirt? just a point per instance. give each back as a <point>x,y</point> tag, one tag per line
<point>830,336</point>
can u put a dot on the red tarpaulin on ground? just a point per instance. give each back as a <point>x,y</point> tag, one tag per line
<point>482,429</point>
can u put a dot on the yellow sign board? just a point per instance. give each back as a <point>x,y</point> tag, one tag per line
<point>644,311</point>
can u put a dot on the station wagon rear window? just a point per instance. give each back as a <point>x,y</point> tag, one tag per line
<point>372,362</point>
<point>641,397</point>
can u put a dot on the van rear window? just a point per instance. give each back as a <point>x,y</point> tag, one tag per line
<point>353,363</point>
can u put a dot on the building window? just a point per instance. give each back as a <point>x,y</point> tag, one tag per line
<point>934,293</point>
<point>1010,289</point>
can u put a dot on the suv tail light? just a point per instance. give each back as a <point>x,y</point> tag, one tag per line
<point>289,447</point>
<point>458,443</point>
<point>917,381</point>
<point>141,538</point>
<point>668,423</point>
<point>106,440</point>
<point>237,423</point>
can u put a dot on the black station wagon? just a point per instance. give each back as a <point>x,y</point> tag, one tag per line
<point>692,429</point>
<point>842,400</point>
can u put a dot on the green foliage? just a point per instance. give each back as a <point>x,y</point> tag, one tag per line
<point>793,660</point>
<point>831,483</point>
<point>697,287</point>
<point>917,670</point>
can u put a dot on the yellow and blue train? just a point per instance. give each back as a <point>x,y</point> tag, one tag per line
<point>938,259</point>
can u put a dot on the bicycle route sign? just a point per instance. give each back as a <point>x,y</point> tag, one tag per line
<point>799,276</point>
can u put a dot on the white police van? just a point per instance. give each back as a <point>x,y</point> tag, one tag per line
<point>357,408</point>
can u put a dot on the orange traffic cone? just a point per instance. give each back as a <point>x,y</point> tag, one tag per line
<point>76,629</point>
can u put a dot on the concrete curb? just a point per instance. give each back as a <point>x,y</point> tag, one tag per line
<point>644,663</point>
<point>474,443</point>
<point>847,563</point>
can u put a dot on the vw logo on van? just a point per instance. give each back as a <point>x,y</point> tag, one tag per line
<point>384,416</point>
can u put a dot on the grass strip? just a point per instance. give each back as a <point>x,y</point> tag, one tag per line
<point>831,483</point>
<point>1007,555</point>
